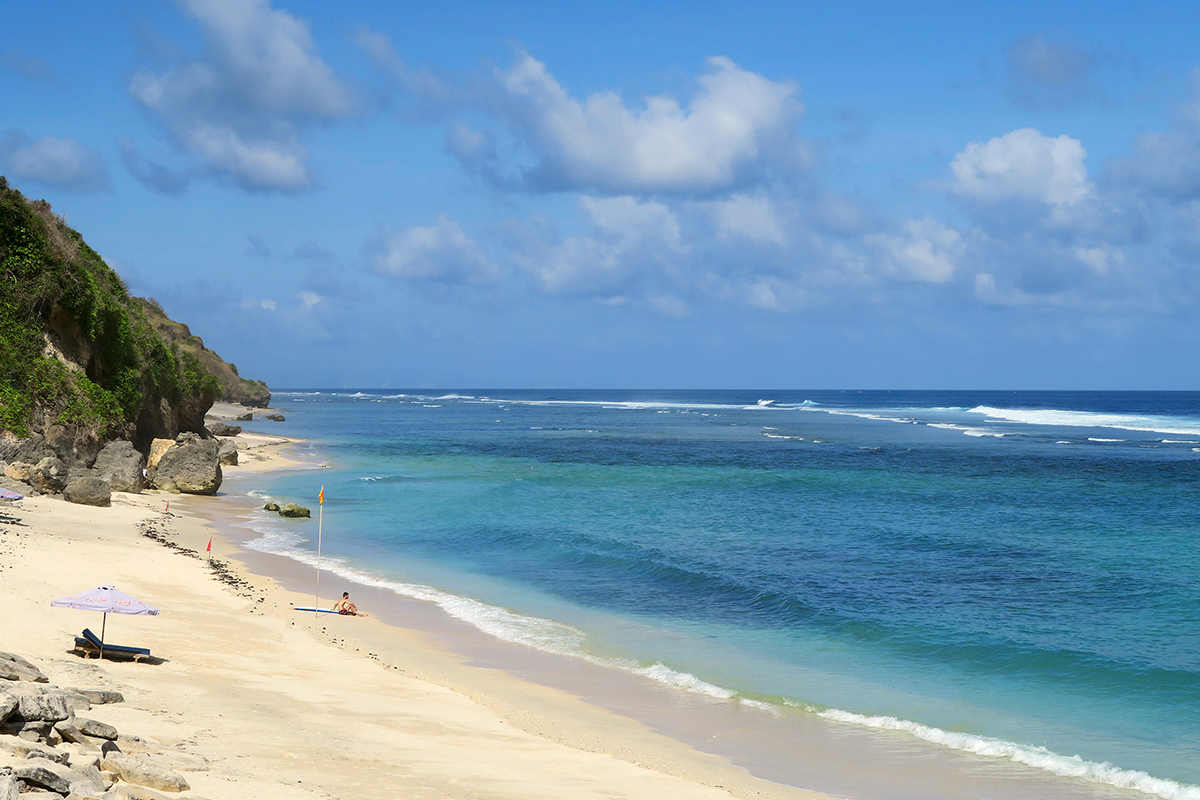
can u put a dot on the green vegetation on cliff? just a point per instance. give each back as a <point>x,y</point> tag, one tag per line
<point>76,351</point>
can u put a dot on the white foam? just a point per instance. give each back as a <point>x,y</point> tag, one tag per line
<point>1186,426</point>
<point>1095,439</point>
<point>1178,441</point>
<point>1029,755</point>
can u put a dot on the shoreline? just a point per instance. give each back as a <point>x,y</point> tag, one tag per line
<point>253,701</point>
<point>843,757</point>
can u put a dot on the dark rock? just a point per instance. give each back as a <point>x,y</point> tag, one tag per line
<point>90,727</point>
<point>228,453</point>
<point>271,507</point>
<point>100,697</point>
<point>276,417</point>
<point>8,705</point>
<point>121,465</point>
<point>48,476</point>
<point>247,417</point>
<point>294,511</point>
<point>88,491</point>
<point>224,429</point>
<point>31,450</point>
<point>192,466</point>
<point>38,772</point>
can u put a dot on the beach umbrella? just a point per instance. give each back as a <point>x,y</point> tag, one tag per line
<point>105,599</point>
<point>8,494</point>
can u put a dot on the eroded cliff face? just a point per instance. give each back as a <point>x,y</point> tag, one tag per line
<point>81,362</point>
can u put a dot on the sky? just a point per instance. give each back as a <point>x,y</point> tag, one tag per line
<point>965,195</point>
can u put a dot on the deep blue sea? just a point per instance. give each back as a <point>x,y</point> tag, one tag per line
<point>1015,574</point>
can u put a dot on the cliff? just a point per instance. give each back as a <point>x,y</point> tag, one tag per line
<point>81,361</point>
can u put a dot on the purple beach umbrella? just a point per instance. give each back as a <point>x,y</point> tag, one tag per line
<point>105,599</point>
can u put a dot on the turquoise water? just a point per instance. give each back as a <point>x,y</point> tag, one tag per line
<point>1014,574</point>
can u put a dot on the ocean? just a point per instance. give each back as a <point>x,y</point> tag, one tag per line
<point>1010,575</point>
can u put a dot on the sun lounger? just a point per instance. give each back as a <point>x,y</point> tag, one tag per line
<point>89,645</point>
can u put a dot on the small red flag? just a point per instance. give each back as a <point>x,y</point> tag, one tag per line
<point>209,548</point>
<point>167,510</point>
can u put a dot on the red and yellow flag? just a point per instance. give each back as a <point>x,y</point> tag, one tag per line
<point>321,496</point>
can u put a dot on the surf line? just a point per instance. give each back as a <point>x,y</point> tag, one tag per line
<point>316,606</point>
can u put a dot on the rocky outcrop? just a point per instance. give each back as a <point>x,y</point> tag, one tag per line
<point>88,491</point>
<point>228,453</point>
<point>121,465</point>
<point>247,417</point>
<point>15,668</point>
<point>192,466</point>
<point>157,448</point>
<point>48,476</point>
<point>294,511</point>
<point>224,429</point>
<point>145,772</point>
<point>18,471</point>
<point>271,507</point>
<point>276,417</point>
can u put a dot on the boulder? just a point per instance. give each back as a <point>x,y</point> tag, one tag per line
<point>129,791</point>
<point>121,465</point>
<point>271,507</point>
<point>228,453</point>
<point>294,511</point>
<point>90,727</point>
<point>18,471</point>
<point>21,748</point>
<point>88,491</point>
<point>224,429</point>
<point>29,451</point>
<point>100,697</point>
<point>193,467</point>
<point>276,417</point>
<point>145,772</point>
<point>8,705</point>
<point>70,733</point>
<point>157,448</point>
<point>42,707</point>
<point>43,773</point>
<point>247,417</point>
<point>25,671</point>
<point>48,476</point>
<point>86,780</point>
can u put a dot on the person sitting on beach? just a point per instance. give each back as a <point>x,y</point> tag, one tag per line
<point>344,606</point>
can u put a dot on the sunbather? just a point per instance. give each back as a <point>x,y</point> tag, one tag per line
<point>344,606</point>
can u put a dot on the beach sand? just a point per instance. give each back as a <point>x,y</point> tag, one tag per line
<point>254,700</point>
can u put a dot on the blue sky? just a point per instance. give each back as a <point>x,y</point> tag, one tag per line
<point>797,195</point>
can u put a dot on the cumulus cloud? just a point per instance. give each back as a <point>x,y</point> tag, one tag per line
<point>61,163</point>
<point>926,251</point>
<point>240,107</point>
<point>441,253</point>
<point>1048,74</point>
<point>1023,165</point>
<point>1167,163</point>
<point>748,217</point>
<point>737,126</point>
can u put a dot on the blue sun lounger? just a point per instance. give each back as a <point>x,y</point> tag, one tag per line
<point>90,645</point>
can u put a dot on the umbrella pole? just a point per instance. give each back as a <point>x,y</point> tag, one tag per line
<point>103,625</point>
<point>320,525</point>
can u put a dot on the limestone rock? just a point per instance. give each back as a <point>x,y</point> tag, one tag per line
<point>48,476</point>
<point>157,448</point>
<point>129,791</point>
<point>276,417</point>
<point>271,507</point>
<point>28,451</point>
<point>8,705</point>
<point>145,772</point>
<point>11,662</point>
<point>70,733</point>
<point>91,727</point>
<point>294,511</point>
<point>21,748</point>
<point>193,467</point>
<point>44,706</point>
<point>100,697</point>
<point>228,453</point>
<point>39,772</point>
<point>88,491</point>
<point>18,471</point>
<point>224,429</point>
<point>247,417</point>
<point>121,465</point>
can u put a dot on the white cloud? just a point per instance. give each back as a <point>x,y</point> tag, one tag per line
<point>737,126</point>
<point>440,253</point>
<point>61,163</point>
<point>240,107</point>
<point>1023,165</point>
<point>1100,259</point>
<point>928,251</point>
<point>308,300</point>
<point>746,216</point>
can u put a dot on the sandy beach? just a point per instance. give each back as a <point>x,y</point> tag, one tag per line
<point>254,700</point>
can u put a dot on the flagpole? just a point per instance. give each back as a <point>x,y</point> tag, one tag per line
<point>320,525</point>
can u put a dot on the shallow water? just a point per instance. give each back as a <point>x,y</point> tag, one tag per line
<point>1011,574</point>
